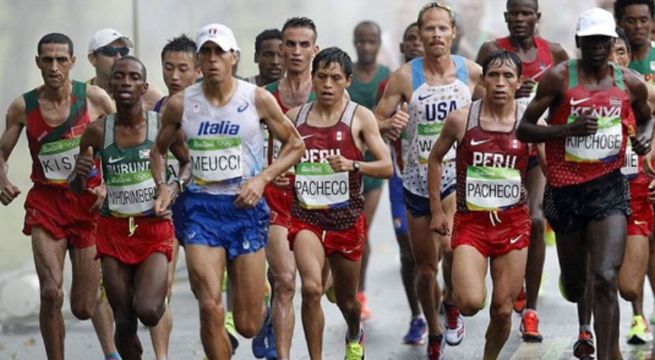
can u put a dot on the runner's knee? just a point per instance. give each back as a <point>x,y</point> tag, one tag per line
<point>284,285</point>
<point>425,274</point>
<point>629,291</point>
<point>149,314</point>
<point>248,326</point>
<point>312,291</point>
<point>83,310</point>
<point>605,280</point>
<point>52,295</point>
<point>210,309</point>
<point>468,304</point>
<point>501,311</point>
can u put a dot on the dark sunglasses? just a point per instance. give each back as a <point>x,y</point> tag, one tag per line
<point>112,51</point>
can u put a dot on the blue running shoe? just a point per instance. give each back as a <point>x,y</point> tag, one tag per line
<point>417,332</point>
<point>259,348</point>
<point>271,352</point>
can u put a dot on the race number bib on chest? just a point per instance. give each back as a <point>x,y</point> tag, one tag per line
<point>427,135</point>
<point>630,168</point>
<point>215,159</point>
<point>492,188</point>
<point>319,187</point>
<point>131,194</point>
<point>58,159</point>
<point>599,147</point>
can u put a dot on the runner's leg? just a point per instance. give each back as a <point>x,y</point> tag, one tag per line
<point>160,334</point>
<point>371,202</point>
<point>248,276</point>
<point>469,273</point>
<point>535,184</point>
<point>345,275</point>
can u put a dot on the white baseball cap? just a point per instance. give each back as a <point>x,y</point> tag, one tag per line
<point>219,34</point>
<point>105,37</point>
<point>596,21</point>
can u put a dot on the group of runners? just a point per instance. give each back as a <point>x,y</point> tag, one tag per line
<point>280,174</point>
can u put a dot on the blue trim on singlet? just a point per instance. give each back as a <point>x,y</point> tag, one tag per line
<point>418,78</point>
<point>159,103</point>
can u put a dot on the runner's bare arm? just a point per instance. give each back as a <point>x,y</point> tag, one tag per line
<point>475,80</point>
<point>372,140</point>
<point>551,89</point>
<point>90,143</point>
<point>100,104</point>
<point>398,91</point>
<point>291,151</point>
<point>171,121</point>
<point>638,91</point>
<point>452,131</point>
<point>14,123</point>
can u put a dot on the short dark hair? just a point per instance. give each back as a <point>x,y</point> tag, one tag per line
<point>131,58</point>
<point>406,32</point>
<point>55,38</point>
<point>620,5</point>
<point>623,37</point>
<point>181,43</point>
<point>502,56</point>
<point>435,5</point>
<point>369,23</point>
<point>331,55</point>
<point>267,34</point>
<point>535,2</point>
<point>296,22</point>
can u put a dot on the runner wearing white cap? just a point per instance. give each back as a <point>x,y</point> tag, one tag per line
<point>220,118</point>
<point>105,46</point>
<point>587,199</point>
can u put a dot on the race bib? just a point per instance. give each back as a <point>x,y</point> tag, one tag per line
<point>58,159</point>
<point>319,187</point>
<point>427,134</point>
<point>599,147</point>
<point>630,168</point>
<point>131,194</point>
<point>215,159</point>
<point>492,188</point>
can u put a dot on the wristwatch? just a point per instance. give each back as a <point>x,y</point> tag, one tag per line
<point>180,184</point>
<point>355,166</point>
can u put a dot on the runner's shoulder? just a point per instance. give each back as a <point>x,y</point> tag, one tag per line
<point>97,95</point>
<point>486,49</point>
<point>16,111</point>
<point>557,51</point>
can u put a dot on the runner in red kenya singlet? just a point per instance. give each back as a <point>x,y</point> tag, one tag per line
<point>587,198</point>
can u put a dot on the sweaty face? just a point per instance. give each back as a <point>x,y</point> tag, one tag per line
<point>216,64</point>
<point>636,22</point>
<point>412,47</point>
<point>521,18</point>
<point>299,49</point>
<point>437,32</point>
<point>620,54</point>
<point>103,63</point>
<point>179,70</point>
<point>367,43</point>
<point>55,64</point>
<point>128,83</point>
<point>501,82</point>
<point>330,83</point>
<point>595,50</point>
<point>270,58</point>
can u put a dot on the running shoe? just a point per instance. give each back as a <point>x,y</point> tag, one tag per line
<point>584,346</point>
<point>366,312</point>
<point>639,332</point>
<point>355,349</point>
<point>530,326</point>
<point>418,329</point>
<point>113,356</point>
<point>520,301</point>
<point>436,347</point>
<point>454,325</point>
<point>231,331</point>
<point>271,352</point>
<point>259,348</point>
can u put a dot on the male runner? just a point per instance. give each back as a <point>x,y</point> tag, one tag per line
<point>492,222</point>
<point>411,48</point>
<point>220,119</point>
<point>294,89</point>
<point>537,55</point>
<point>635,17</point>
<point>328,221</point>
<point>434,86</point>
<point>55,115</point>
<point>587,198</point>
<point>268,57</point>
<point>134,245</point>
<point>367,76</point>
<point>180,70</point>
<point>105,47</point>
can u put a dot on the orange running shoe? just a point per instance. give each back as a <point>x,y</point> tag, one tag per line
<point>365,311</point>
<point>520,301</point>
<point>530,326</point>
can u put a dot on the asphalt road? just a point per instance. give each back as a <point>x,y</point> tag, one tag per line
<point>384,330</point>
